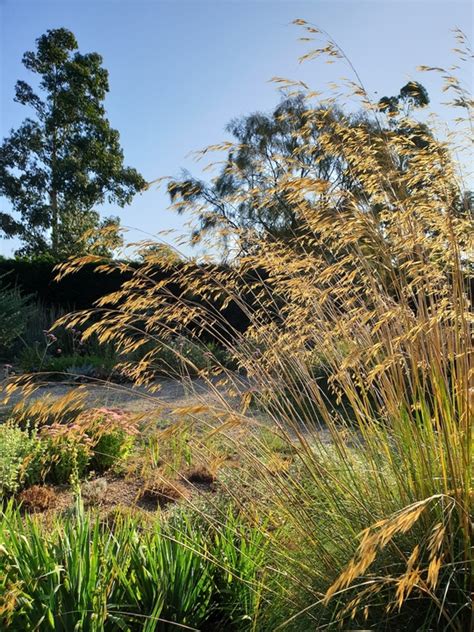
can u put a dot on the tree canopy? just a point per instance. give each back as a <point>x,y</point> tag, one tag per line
<point>296,140</point>
<point>259,160</point>
<point>66,159</point>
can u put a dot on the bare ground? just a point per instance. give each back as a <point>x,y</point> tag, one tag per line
<point>170,394</point>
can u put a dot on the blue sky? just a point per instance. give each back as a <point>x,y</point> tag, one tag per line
<point>181,69</point>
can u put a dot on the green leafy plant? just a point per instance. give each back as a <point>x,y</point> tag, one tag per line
<point>243,551</point>
<point>67,366</point>
<point>15,310</point>
<point>113,440</point>
<point>97,440</point>
<point>65,457</point>
<point>21,453</point>
<point>77,573</point>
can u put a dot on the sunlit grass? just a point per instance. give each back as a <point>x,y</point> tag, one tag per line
<point>351,409</point>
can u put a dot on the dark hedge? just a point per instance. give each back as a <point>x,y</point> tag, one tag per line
<point>81,289</point>
<point>78,291</point>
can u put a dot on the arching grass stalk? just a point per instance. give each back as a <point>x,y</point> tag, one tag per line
<point>358,357</point>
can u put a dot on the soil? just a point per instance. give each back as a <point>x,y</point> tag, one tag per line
<point>109,492</point>
<point>106,494</point>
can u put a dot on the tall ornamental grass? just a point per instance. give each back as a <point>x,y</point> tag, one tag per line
<point>358,355</point>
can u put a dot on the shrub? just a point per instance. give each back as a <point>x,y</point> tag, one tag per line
<point>110,448</point>
<point>94,490</point>
<point>15,309</point>
<point>98,440</point>
<point>20,457</point>
<point>181,356</point>
<point>40,320</point>
<point>28,457</point>
<point>111,433</point>
<point>65,458</point>
<point>95,440</point>
<point>37,498</point>
<point>67,366</point>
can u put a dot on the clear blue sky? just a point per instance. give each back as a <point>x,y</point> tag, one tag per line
<point>181,69</point>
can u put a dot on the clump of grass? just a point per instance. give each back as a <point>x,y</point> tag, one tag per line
<point>37,498</point>
<point>200,475</point>
<point>369,507</point>
<point>160,492</point>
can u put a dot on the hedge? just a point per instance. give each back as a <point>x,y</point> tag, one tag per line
<point>81,289</point>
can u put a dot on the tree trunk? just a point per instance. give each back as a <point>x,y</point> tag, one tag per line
<point>54,222</point>
<point>53,196</point>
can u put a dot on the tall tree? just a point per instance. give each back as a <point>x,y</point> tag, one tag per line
<point>56,167</point>
<point>268,149</point>
<point>296,140</point>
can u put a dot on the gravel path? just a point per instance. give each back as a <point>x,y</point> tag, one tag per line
<point>171,394</point>
<point>127,397</point>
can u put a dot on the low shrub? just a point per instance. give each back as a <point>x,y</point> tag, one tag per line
<point>20,457</point>
<point>176,358</point>
<point>111,432</point>
<point>67,366</point>
<point>38,498</point>
<point>96,440</point>
<point>93,491</point>
<point>55,353</point>
<point>65,457</point>
<point>110,448</point>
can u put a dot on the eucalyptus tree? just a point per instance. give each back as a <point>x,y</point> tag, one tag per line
<point>299,141</point>
<point>66,158</point>
<point>268,149</point>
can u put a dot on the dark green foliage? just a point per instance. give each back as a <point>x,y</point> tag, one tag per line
<point>78,291</point>
<point>58,165</point>
<point>15,309</point>
<point>67,366</point>
<point>292,142</point>
<point>178,358</point>
<point>79,574</point>
<point>110,448</point>
<point>412,95</point>
<point>81,289</point>
<point>184,357</point>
